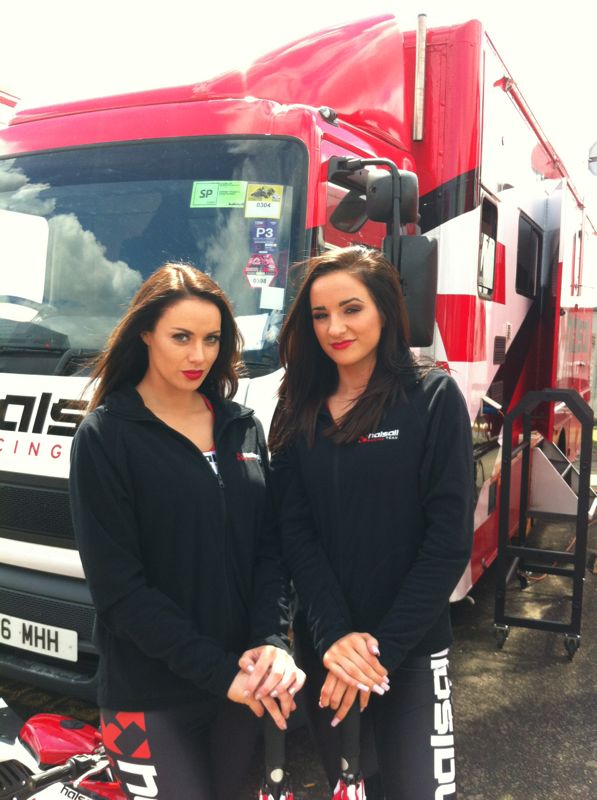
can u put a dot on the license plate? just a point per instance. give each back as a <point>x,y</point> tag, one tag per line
<point>37,638</point>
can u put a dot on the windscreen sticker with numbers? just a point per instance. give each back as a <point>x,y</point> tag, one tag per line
<point>218,194</point>
<point>261,270</point>
<point>264,236</point>
<point>264,200</point>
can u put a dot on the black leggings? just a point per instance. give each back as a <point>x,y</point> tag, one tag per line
<point>200,750</point>
<point>407,739</point>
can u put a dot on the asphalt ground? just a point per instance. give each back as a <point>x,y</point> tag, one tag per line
<point>526,715</point>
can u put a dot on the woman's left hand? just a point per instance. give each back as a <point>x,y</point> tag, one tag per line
<point>340,696</point>
<point>272,672</point>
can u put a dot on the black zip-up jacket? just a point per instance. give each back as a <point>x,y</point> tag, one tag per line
<point>183,566</point>
<point>377,533</point>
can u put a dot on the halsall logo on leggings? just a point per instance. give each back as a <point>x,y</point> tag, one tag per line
<point>442,742</point>
<point>145,775</point>
<point>380,436</point>
<point>125,734</point>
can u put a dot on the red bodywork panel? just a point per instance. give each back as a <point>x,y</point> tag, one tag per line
<point>461,322</point>
<point>452,143</point>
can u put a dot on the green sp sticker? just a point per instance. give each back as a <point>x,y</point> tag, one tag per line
<point>218,194</point>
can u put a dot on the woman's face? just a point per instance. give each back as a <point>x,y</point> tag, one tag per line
<point>346,320</point>
<point>184,344</point>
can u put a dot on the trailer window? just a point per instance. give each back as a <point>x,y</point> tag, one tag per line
<point>487,240</point>
<point>81,229</point>
<point>528,257</point>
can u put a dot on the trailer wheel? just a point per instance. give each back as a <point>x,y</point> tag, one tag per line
<point>501,634</point>
<point>571,643</point>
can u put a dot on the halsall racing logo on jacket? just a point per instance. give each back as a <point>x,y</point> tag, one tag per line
<point>248,457</point>
<point>380,436</point>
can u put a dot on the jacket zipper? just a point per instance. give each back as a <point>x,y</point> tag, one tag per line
<point>338,512</point>
<point>221,493</point>
<point>225,515</point>
<point>215,475</point>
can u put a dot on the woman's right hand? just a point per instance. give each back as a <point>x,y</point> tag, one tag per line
<point>239,693</point>
<point>353,659</point>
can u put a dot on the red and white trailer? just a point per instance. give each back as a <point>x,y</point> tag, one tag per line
<point>243,175</point>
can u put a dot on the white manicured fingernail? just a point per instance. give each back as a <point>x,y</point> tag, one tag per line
<point>362,687</point>
<point>292,690</point>
<point>379,690</point>
<point>250,668</point>
<point>274,693</point>
<point>375,650</point>
<point>334,722</point>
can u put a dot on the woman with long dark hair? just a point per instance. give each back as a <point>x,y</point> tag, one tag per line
<point>372,469</point>
<point>171,513</point>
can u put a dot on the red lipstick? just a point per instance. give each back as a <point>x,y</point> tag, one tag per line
<point>193,374</point>
<point>342,345</point>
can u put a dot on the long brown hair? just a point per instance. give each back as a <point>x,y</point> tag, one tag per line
<point>311,377</point>
<point>124,359</point>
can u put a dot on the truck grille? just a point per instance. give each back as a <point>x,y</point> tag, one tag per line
<point>36,512</point>
<point>46,610</point>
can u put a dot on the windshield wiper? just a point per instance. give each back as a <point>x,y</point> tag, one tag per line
<point>82,355</point>
<point>65,355</point>
<point>30,348</point>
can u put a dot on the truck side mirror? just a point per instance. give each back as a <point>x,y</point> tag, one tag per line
<point>350,214</point>
<point>380,196</point>
<point>418,273</point>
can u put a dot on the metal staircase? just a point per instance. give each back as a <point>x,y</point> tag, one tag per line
<point>551,488</point>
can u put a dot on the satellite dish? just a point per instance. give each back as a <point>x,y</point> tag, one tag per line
<point>593,159</point>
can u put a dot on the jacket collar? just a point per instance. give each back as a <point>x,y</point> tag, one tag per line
<point>127,403</point>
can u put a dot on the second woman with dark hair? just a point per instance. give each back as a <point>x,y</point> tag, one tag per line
<point>171,514</point>
<point>372,462</point>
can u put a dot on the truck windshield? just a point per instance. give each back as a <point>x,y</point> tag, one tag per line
<point>81,229</point>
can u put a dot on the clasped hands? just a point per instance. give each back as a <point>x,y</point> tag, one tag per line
<point>268,680</point>
<point>353,668</point>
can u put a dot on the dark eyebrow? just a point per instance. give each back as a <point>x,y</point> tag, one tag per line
<point>184,330</point>
<point>341,303</point>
